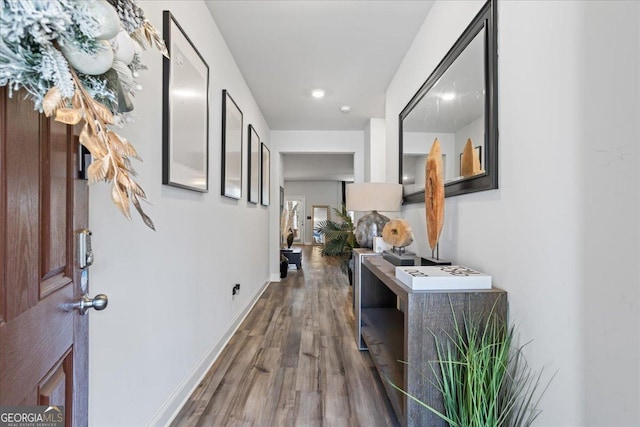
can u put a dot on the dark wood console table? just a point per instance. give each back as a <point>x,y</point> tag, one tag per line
<point>395,323</point>
<point>294,255</point>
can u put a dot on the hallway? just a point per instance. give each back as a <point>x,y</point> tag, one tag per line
<point>294,361</point>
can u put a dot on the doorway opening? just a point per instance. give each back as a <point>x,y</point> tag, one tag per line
<point>319,213</point>
<point>295,206</point>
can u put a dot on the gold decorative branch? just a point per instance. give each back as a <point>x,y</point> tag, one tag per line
<point>111,153</point>
<point>147,34</point>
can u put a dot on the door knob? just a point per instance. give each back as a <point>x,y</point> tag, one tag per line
<point>99,303</point>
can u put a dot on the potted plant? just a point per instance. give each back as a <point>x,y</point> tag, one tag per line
<point>483,376</point>
<point>339,239</point>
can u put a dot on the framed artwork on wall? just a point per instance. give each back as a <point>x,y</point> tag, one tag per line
<point>265,176</point>
<point>231,148</point>
<point>253,184</point>
<point>185,111</point>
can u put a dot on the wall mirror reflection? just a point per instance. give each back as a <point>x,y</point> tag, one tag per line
<point>295,209</point>
<point>453,112</point>
<point>320,213</point>
<point>458,106</point>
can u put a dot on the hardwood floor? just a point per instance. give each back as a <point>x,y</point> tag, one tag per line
<point>294,361</point>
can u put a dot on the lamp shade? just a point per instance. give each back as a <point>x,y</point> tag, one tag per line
<point>374,196</point>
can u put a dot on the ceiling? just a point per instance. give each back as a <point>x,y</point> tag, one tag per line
<point>351,49</point>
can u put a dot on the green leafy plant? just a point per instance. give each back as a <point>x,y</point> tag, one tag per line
<point>484,378</point>
<point>339,237</point>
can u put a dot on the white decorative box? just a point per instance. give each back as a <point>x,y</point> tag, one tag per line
<point>442,278</point>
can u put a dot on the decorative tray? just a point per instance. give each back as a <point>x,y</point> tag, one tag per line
<point>445,277</point>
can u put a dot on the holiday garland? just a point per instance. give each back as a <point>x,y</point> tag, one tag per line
<point>78,61</point>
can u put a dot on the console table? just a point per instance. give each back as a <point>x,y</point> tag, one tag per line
<point>294,255</point>
<point>395,323</point>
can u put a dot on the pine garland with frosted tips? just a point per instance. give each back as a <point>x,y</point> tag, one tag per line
<point>131,15</point>
<point>35,38</point>
<point>41,20</point>
<point>53,67</point>
<point>138,27</point>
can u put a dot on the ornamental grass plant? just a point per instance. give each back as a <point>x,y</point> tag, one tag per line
<point>484,377</point>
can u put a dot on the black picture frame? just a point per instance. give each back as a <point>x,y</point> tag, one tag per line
<point>232,130</point>
<point>487,18</point>
<point>185,111</point>
<point>265,175</point>
<point>254,164</point>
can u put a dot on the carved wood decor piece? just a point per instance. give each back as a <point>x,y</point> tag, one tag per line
<point>470,164</point>
<point>434,194</point>
<point>397,233</point>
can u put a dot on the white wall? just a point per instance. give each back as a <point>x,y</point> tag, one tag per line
<point>375,146</point>
<point>318,167</point>
<point>367,152</point>
<point>308,142</point>
<point>315,193</point>
<point>170,305</point>
<point>561,235</point>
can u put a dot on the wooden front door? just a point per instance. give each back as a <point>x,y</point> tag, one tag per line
<point>43,346</point>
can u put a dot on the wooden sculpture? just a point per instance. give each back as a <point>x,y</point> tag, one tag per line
<point>470,163</point>
<point>397,233</point>
<point>434,194</point>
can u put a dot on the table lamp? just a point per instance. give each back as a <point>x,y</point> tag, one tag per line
<point>372,197</point>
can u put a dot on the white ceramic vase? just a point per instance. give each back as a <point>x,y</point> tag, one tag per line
<point>86,63</point>
<point>107,17</point>
<point>123,47</point>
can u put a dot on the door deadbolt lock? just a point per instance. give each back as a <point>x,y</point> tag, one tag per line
<point>85,253</point>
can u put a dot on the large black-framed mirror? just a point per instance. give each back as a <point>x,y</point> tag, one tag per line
<point>456,104</point>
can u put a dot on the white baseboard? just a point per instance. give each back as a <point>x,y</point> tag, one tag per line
<point>185,389</point>
<point>275,277</point>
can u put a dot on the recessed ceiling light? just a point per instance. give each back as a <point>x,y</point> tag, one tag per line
<point>317,93</point>
<point>449,96</point>
<point>345,108</point>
